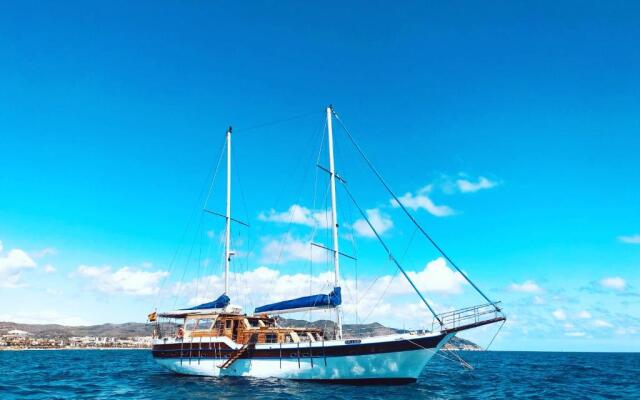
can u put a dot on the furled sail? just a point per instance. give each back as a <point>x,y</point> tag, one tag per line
<point>220,302</point>
<point>330,300</point>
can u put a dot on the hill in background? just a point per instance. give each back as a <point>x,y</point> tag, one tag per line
<point>132,329</point>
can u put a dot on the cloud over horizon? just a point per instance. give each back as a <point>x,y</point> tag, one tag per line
<point>125,280</point>
<point>12,264</point>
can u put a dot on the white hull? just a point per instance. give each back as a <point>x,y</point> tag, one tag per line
<point>401,365</point>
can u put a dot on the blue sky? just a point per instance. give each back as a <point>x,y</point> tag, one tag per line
<point>512,130</point>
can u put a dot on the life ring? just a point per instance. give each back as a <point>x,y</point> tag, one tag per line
<point>180,333</point>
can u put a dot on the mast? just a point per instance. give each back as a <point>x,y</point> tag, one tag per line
<point>334,217</point>
<point>227,251</point>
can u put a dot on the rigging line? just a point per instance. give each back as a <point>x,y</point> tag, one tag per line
<point>292,210</point>
<point>186,265</point>
<point>406,250</point>
<point>390,281</point>
<point>313,206</point>
<point>186,229</point>
<point>280,193</point>
<point>208,261</point>
<point>240,180</point>
<point>215,174</point>
<point>199,268</point>
<point>496,335</point>
<point>280,121</point>
<point>459,360</point>
<point>384,292</point>
<point>413,220</point>
<point>354,247</point>
<point>366,218</point>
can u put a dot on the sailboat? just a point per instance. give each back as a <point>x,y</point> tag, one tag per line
<point>218,339</point>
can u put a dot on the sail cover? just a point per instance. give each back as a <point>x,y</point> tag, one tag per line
<point>220,302</point>
<point>332,299</point>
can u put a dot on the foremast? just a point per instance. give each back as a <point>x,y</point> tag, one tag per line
<point>334,217</point>
<point>227,242</point>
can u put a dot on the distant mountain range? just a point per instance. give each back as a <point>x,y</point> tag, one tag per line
<point>131,329</point>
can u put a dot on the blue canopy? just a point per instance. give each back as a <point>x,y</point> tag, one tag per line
<point>220,302</point>
<point>332,299</point>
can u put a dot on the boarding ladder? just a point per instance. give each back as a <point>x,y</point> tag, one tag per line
<point>234,356</point>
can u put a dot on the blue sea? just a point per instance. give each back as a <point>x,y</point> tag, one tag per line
<point>132,374</point>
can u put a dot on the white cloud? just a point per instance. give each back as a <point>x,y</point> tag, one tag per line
<point>381,223</point>
<point>626,331</point>
<point>378,299</point>
<point>559,314</point>
<point>466,186</point>
<point>12,265</point>
<point>125,280</point>
<point>297,214</point>
<point>614,282</point>
<point>436,277</point>
<point>632,239</point>
<point>47,251</point>
<point>568,326</point>
<point>49,269</point>
<point>286,248</point>
<point>538,300</point>
<point>599,323</point>
<point>260,285</point>
<point>525,287</point>
<point>584,314</point>
<point>422,200</point>
<point>575,334</point>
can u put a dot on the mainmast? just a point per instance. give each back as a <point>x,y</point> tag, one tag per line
<point>227,251</point>
<point>334,217</point>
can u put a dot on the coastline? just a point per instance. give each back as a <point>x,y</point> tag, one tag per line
<point>70,348</point>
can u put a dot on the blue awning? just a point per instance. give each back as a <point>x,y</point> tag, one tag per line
<point>332,299</point>
<point>220,302</point>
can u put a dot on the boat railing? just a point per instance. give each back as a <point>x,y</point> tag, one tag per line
<point>468,317</point>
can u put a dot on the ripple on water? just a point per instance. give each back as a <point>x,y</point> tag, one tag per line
<point>133,374</point>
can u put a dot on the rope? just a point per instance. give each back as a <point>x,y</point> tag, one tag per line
<point>172,263</point>
<point>280,121</point>
<point>413,220</point>
<point>496,335</point>
<point>459,359</point>
<point>364,215</point>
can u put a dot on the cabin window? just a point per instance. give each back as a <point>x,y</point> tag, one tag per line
<point>190,325</point>
<point>204,324</point>
<point>254,323</point>
<point>228,324</point>
<point>271,338</point>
